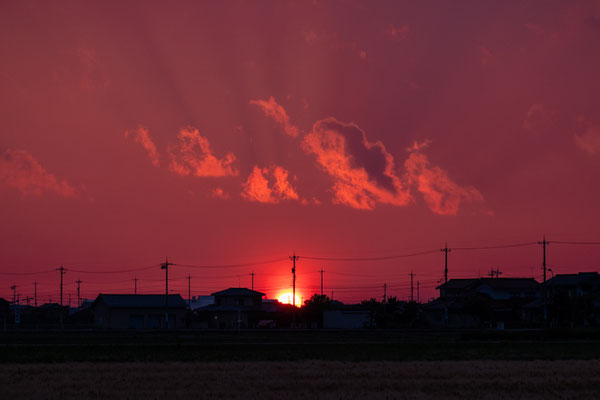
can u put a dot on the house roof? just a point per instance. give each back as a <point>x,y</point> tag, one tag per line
<point>457,283</point>
<point>572,279</point>
<point>238,292</point>
<point>509,283</point>
<point>140,300</point>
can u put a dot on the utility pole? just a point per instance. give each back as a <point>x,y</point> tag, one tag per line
<point>252,275</point>
<point>446,250</point>
<point>418,298</point>
<point>294,258</point>
<point>384,292</point>
<point>321,271</point>
<point>189,278</point>
<point>35,293</point>
<point>412,275</point>
<point>62,272</point>
<point>165,266</point>
<point>27,300</point>
<point>78,293</point>
<point>14,289</point>
<point>544,243</point>
<point>69,300</point>
<point>135,279</point>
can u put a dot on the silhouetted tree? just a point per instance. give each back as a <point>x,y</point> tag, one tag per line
<point>312,311</point>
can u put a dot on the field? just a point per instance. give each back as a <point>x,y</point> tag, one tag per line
<point>300,364</point>
<point>304,380</point>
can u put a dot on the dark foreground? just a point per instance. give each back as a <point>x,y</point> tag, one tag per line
<point>216,346</point>
<point>300,364</point>
<point>307,379</point>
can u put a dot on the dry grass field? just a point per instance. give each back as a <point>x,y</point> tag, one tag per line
<point>577,379</point>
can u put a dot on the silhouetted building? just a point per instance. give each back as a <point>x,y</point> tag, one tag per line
<point>347,317</point>
<point>234,308</point>
<point>572,285</point>
<point>141,311</point>
<point>573,299</point>
<point>495,288</point>
<point>482,302</point>
<point>4,312</point>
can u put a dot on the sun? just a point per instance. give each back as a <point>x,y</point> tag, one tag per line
<point>286,298</point>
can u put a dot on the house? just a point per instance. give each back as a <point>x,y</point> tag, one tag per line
<point>201,301</point>
<point>234,308</point>
<point>138,311</point>
<point>572,285</point>
<point>495,288</point>
<point>451,312</point>
<point>4,312</point>
<point>573,299</point>
<point>346,317</point>
<point>489,302</point>
<point>455,287</point>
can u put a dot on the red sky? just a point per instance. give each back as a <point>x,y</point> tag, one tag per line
<point>219,133</point>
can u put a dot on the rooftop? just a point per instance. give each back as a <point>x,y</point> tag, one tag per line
<point>238,292</point>
<point>140,300</point>
<point>572,279</point>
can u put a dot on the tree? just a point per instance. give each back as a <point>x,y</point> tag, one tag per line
<point>312,312</point>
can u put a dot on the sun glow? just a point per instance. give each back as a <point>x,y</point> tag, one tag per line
<point>286,298</point>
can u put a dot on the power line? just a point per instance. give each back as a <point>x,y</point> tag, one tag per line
<point>28,273</point>
<point>583,243</point>
<point>231,265</point>
<point>114,272</point>
<point>371,258</point>
<point>505,246</point>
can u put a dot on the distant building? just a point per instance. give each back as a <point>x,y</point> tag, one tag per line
<point>235,308</point>
<point>141,311</point>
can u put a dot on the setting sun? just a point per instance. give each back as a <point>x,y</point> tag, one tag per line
<point>286,298</point>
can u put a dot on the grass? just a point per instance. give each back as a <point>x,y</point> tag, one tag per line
<point>352,352</point>
<point>307,379</point>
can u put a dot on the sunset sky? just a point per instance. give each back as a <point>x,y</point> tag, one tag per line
<point>226,133</point>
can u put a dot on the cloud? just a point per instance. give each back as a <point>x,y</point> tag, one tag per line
<point>441,194</point>
<point>363,172</point>
<point>219,193</point>
<point>397,32</point>
<point>589,140</point>
<point>268,185</point>
<point>193,156</point>
<point>22,171</point>
<point>275,111</point>
<point>140,135</point>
